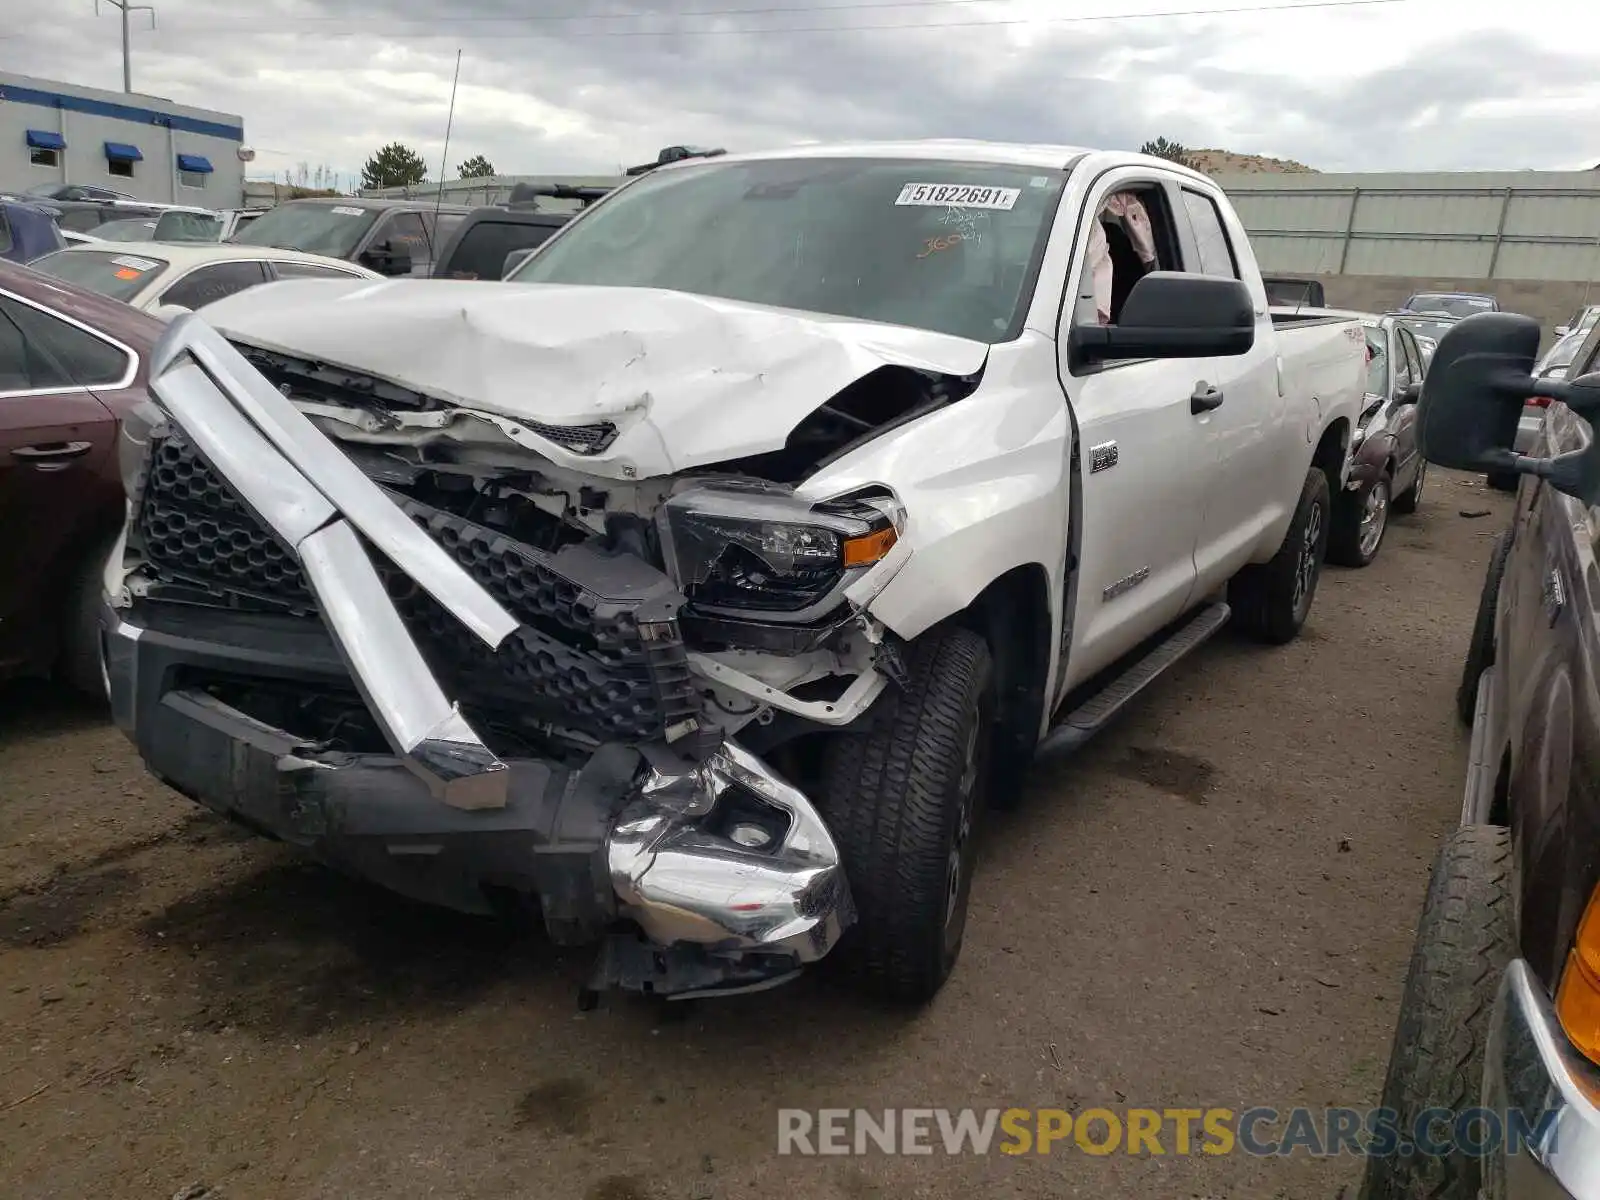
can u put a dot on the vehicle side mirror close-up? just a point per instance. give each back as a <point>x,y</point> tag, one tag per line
<point>388,259</point>
<point>1481,377</point>
<point>1173,314</point>
<point>1562,331</point>
<point>1410,394</point>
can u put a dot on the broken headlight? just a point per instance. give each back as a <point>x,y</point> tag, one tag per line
<point>133,440</point>
<point>749,550</point>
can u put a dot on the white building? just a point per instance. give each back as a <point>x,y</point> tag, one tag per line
<point>150,148</point>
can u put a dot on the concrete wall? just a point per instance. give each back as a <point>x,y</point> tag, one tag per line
<point>1531,238</point>
<point>88,118</point>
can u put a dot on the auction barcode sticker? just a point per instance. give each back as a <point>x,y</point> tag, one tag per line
<point>345,210</point>
<point>135,264</point>
<point>958,195</point>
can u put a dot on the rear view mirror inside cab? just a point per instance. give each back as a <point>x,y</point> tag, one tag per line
<point>1473,396</point>
<point>1172,314</point>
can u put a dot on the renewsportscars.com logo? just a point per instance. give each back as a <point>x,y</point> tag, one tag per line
<point>1260,1132</point>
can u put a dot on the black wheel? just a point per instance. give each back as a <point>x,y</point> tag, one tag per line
<point>1407,501</point>
<point>1360,520</point>
<point>1270,600</point>
<point>1502,481</point>
<point>902,801</point>
<point>1480,650</point>
<point>1465,940</point>
<point>79,663</point>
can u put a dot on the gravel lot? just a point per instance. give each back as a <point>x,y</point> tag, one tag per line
<point>1212,906</point>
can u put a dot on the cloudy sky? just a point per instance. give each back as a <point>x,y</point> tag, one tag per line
<point>579,86</point>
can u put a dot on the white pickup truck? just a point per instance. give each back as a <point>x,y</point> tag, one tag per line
<point>700,584</point>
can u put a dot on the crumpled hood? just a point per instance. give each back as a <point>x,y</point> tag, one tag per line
<point>687,380</point>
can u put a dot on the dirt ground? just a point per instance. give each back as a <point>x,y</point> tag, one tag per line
<point>1212,906</point>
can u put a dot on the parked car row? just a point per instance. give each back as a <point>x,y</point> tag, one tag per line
<point>1501,1006</point>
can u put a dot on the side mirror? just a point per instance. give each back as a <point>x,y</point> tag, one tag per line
<point>1563,330</point>
<point>1482,375</point>
<point>1172,314</point>
<point>514,260</point>
<point>1409,394</point>
<point>388,259</point>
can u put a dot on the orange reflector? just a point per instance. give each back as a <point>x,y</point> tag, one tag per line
<point>858,552</point>
<point>1578,997</point>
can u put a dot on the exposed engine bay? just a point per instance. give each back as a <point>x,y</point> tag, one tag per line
<point>754,577</point>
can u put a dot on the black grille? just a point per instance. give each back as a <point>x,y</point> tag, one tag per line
<point>578,658</point>
<point>580,439</point>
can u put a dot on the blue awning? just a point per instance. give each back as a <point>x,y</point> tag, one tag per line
<point>45,139</point>
<point>123,152</point>
<point>194,162</point>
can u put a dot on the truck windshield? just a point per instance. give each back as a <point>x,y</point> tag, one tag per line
<point>331,229</point>
<point>946,246</point>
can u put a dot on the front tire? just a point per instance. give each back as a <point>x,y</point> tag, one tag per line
<point>902,801</point>
<point>1271,600</point>
<point>1360,519</point>
<point>1465,941</point>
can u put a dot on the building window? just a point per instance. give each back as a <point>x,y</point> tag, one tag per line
<point>45,147</point>
<point>193,170</point>
<point>120,157</point>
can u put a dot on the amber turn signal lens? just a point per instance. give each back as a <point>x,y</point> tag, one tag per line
<point>858,552</point>
<point>1578,997</point>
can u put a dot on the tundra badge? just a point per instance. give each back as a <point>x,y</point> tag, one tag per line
<point>1102,456</point>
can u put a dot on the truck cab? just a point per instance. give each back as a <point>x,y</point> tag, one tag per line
<point>392,237</point>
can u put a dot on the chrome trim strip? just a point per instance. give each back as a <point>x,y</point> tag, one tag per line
<point>682,884</point>
<point>417,719</point>
<point>327,468</point>
<point>278,493</point>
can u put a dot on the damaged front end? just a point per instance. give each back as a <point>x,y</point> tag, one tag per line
<point>398,636</point>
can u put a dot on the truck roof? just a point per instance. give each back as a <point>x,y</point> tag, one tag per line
<point>377,202</point>
<point>1044,155</point>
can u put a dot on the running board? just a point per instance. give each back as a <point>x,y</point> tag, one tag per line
<point>1095,713</point>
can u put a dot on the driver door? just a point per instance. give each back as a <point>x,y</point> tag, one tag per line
<point>1145,459</point>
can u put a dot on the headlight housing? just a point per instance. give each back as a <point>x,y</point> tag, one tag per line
<point>754,550</point>
<point>139,424</point>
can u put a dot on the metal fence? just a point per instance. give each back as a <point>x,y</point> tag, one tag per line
<point>1523,225</point>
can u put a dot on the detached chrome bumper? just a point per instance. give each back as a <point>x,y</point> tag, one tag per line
<point>1531,1066</point>
<point>672,867</point>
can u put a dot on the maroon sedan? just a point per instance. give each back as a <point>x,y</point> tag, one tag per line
<point>71,364</point>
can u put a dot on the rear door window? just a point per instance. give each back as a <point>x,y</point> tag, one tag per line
<point>39,351</point>
<point>206,284</point>
<point>1211,238</point>
<point>300,270</point>
<point>482,250</point>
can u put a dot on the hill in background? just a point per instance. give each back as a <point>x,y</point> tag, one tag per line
<point>1226,162</point>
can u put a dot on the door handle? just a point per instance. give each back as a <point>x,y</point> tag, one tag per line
<point>1204,398</point>
<point>52,451</point>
